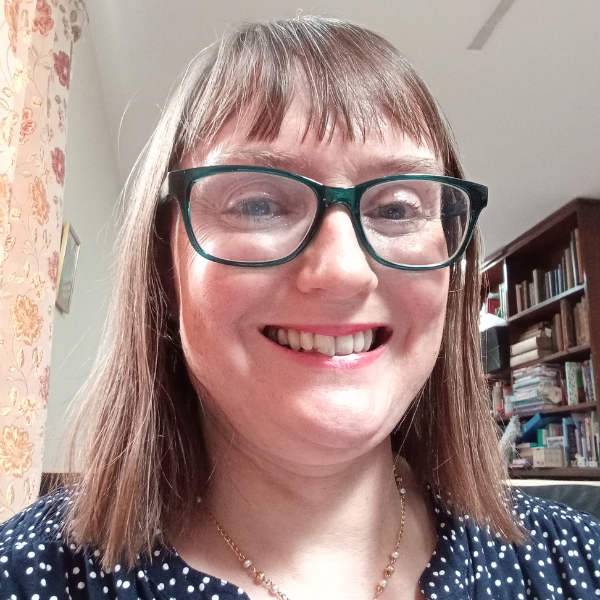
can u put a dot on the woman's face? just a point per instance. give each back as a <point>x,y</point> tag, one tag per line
<point>307,407</point>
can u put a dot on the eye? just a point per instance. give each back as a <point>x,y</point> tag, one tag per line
<point>393,211</point>
<point>256,207</point>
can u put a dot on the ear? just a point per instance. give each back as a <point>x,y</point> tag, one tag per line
<point>165,222</point>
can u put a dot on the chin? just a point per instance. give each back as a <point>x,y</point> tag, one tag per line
<point>350,422</point>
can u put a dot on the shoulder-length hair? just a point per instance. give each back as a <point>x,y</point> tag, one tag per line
<point>144,463</point>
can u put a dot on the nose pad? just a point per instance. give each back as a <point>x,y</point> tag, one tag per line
<point>334,261</point>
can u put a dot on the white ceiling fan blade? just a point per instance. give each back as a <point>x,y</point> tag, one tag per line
<point>483,35</point>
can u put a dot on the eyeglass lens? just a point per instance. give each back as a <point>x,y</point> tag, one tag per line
<point>259,217</point>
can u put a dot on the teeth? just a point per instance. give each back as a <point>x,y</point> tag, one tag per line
<point>368,338</point>
<point>359,341</point>
<point>282,336</point>
<point>344,345</point>
<point>306,340</point>
<point>293,339</point>
<point>324,344</point>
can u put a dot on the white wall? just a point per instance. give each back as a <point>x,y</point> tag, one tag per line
<point>91,192</point>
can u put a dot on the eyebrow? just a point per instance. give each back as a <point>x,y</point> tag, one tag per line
<point>284,161</point>
<point>401,165</point>
<point>298,163</point>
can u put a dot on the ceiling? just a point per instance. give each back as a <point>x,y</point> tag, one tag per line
<point>525,109</point>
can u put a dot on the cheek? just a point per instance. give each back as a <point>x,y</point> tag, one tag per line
<point>420,310</point>
<point>216,303</point>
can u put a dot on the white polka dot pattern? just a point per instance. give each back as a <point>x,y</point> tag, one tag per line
<point>559,561</point>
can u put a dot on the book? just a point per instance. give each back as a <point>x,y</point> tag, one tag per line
<point>492,304</point>
<point>557,330</point>
<point>538,286</point>
<point>542,328</point>
<point>530,428</point>
<point>525,294</point>
<point>568,326</point>
<point>555,441</point>
<point>539,341</point>
<point>536,370</point>
<point>519,297</point>
<point>573,246</point>
<point>530,381</point>
<point>569,268</point>
<point>580,275</point>
<point>570,441</point>
<point>571,379</point>
<point>529,355</point>
<point>588,383</point>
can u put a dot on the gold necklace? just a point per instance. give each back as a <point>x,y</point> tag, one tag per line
<point>260,576</point>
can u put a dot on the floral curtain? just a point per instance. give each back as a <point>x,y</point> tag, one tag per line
<point>36,42</point>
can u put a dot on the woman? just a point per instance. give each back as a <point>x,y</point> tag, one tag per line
<point>291,398</point>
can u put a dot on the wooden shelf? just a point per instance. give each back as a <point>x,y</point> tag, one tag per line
<point>545,309</point>
<point>553,410</point>
<point>571,354</point>
<point>564,473</point>
<point>542,249</point>
<point>498,374</point>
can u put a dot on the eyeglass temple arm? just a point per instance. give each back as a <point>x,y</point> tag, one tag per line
<point>163,194</point>
<point>455,210</point>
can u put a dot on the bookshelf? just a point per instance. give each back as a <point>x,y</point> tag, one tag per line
<point>509,272</point>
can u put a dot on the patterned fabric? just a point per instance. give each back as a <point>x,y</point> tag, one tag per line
<point>560,561</point>
<point>35,45</point>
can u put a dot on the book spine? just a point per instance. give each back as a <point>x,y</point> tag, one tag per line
<point>566,312</point>
<point>558,333</point>
<point>560,280</point>
<point>573,248</point>
<point>569,268</point>
<point>589,432</point>
<point>538,285</point>
<point>519,297</point>
<point>585,321</point>
<point>571,378</point>
<point>577,323</point>
<point>565,435</point>
<point>524,294</point>
<point>580,271</point>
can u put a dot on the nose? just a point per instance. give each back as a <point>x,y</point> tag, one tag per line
<point>334,261</point>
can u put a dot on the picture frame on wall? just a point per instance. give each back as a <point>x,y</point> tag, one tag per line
<point>67,266</point>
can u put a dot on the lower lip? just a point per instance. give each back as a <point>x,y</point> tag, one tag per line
<point>322,361</point>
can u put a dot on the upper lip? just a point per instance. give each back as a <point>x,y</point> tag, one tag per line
<point>332,330</point>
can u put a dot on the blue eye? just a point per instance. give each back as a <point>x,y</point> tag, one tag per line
<point>256,208</point>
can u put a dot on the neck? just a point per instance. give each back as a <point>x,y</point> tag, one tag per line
<point>324,531</point>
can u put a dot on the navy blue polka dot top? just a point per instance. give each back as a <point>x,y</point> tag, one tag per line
<point>561,560</point>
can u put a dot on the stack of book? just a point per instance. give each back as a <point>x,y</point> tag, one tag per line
<point>535,343</point>
<point>543,285</point>
<point>536,388</point>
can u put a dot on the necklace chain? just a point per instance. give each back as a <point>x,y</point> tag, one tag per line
<point>262,578</point>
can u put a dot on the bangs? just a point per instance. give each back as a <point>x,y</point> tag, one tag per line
<point>352,79</point>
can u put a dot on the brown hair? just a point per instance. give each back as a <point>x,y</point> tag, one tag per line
<point>143,461</point>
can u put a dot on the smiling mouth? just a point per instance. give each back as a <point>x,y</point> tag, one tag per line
<point>329,345</point>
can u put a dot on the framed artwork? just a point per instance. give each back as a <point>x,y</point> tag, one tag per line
<point>67,264</point>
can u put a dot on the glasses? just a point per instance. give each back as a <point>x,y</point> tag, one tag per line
<point>251,216</point>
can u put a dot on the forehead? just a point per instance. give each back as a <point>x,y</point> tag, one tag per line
<point>383,152</point>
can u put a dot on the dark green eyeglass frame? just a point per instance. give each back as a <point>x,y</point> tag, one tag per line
<point>178,185</point>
